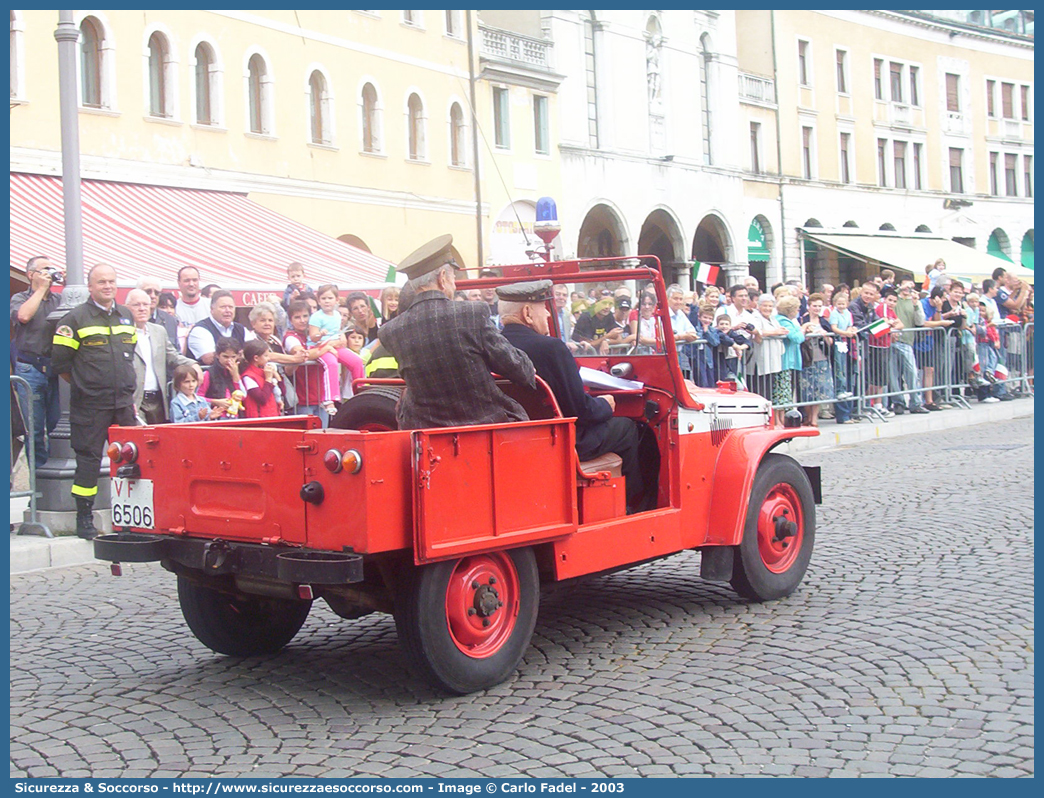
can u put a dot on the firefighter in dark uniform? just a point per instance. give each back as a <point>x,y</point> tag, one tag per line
<point>94,351</point>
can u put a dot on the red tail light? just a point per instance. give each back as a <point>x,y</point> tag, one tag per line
<point>332,461</point>
<point>129,452</point>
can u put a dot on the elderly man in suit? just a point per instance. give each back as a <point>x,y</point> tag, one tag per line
<point>446,350</point>
<point>154,357</point>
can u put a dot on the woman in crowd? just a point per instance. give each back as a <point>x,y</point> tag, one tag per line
<point>263,322</point>
<point>645,328</point>
<point>816,378</point>
<point>766,357</point>
<point>790,364</point>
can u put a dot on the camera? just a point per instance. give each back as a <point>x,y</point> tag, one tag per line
<point>57,275</point>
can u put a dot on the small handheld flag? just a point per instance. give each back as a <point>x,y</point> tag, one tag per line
<point>879,327</point>
<point>706,273</point>
<point>1001,372</point>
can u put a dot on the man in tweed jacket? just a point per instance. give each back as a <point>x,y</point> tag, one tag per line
<point>446,351</point>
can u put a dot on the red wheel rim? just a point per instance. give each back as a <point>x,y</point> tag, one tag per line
<point>782,502</point>
<point>482,603</point>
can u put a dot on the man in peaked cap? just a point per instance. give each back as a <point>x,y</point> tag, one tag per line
<point>524,311</point>
<point>446,350</point>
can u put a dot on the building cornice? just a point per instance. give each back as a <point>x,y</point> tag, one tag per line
<point>953,28</point>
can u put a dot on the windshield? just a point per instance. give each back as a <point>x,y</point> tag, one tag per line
<point>609,318</point>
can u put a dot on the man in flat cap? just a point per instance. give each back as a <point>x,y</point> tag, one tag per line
<point>446,350</point>
<point>524,311</point>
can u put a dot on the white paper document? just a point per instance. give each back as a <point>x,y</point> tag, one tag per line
<point>592,378</point>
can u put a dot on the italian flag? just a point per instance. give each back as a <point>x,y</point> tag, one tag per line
<point>879,327</point>
<point>706,273</point>
<point>1001,372</point>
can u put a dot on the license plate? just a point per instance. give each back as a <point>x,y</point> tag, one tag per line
<point>132,503</point>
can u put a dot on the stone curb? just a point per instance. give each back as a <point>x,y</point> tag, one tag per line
<point>29,553</point>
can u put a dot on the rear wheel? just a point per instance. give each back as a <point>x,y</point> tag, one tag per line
<point>240,627</point>
<point>779,533</point>
<point>465,624</point>
<point>372,409</point>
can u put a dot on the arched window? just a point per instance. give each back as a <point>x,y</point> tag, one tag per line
<point>159,83</point>
<point>371,120</point>
<point>319,108</point>
<point>90,63</point>
<point>415,125</point>
<point>259,100</point>
<point>458,136</point>
<point>206,78</point>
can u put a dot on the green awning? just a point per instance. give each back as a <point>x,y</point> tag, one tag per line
<point>1027,250</point>
<point>993,247</point>
<point>757,250</point>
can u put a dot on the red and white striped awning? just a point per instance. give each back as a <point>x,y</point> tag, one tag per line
<point>153,231</point>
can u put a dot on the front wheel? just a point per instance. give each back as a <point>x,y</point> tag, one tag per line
<point>240,627</point>
<point>465,624</point>
<point>779,532</point>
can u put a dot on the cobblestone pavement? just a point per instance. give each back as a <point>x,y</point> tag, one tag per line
<point>907,651</point>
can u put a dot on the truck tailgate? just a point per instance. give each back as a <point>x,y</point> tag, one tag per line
<point>226,480</point>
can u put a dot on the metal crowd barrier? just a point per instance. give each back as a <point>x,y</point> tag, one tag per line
<point>33,526</point>
<point>866,377</point>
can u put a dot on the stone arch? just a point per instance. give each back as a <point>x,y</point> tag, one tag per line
<point>661,236</point>
<point>813,222</point>
<point>354,241</point>
<point>758,264</point>
<point>850,223</point>
<point>603,233</point>
<point>999,244</point>
<point>1027,249</point>
<point>888,226</point>
<point>712,242</point>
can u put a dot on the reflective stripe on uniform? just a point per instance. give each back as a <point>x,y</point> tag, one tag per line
<point>83,332</point>
<point>381,363</point>
<point>78,491</point>
<point>124,329</point>
<point>63,341</point>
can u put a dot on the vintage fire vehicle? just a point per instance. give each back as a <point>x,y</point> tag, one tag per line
<point>454,530</point>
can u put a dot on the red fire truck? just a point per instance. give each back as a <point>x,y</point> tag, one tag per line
<point>454,530</point>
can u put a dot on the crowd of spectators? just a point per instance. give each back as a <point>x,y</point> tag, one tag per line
<point>886,347</point>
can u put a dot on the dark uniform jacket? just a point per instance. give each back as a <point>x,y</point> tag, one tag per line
<point>558,369</point>
<point>97,349</point>
<point>446,351</point>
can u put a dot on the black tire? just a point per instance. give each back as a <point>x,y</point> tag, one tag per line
<point>240,627</point>
<point>765,568</point>
<point>372,409</point>
<point>434,636</point>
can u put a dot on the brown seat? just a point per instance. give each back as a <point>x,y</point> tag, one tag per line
<point>610,461</point>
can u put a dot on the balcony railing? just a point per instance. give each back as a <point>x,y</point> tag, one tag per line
<point>954,122</point>
<point>901,114</point>
<point>510,46</point>
<point>757,88</point>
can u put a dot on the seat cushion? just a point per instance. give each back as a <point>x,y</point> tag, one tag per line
<point>610,461</point>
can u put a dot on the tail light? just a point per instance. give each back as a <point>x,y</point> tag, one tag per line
<point>115,451</point>
<point>129,452</point>
<point>335,462</point>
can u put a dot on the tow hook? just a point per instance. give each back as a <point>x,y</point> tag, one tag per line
<point>784,528</point>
